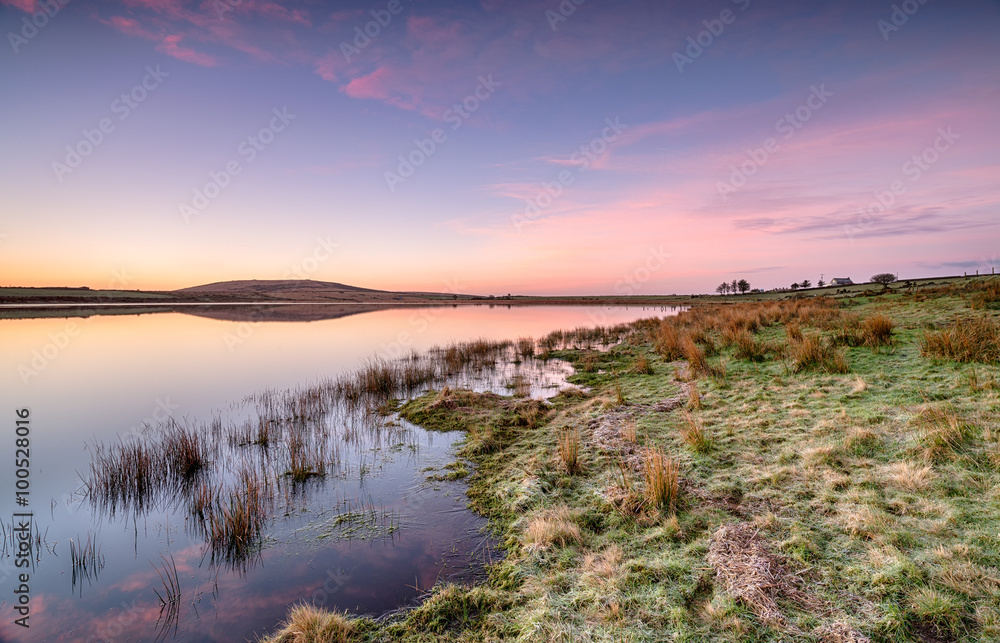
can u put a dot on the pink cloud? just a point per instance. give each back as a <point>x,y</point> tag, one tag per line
<point>390,85</point>
<point>129,27</point>
<point>29,6</point>
<point>171,46</point>
<point>331,66</point>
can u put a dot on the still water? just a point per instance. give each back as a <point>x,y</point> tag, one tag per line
<point>370,536</point>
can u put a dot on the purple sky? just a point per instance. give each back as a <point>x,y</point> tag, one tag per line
<point>499,146</point>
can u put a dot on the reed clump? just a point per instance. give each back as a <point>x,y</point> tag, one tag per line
<point>965,340</point>
<point>307,624</point>
<point>662,478</point>
<point>569,450</point>
<point>812,353</point>
<point>876,331</point>
<point>694,434</point>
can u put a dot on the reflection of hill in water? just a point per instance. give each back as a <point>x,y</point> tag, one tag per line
<point>232,313</point>
<point>283,313</point>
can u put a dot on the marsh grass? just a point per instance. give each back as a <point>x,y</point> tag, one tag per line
<point>662,478</point>
<point>86,559</point>
<point>943,432</point>
<point>695,357</point>
<point>170,599</point>
<point>310,624</point>
<point>125,476</point>
<point>235,524</point>
<point>694,397</point>
<point>643,366</point>
<point>812,353</point>
<point>693,433</point>
<point>965,340</point>
<point>569,450</point>
<point>520,385</point>
<point>853,511</point>
<point>629,430</point>
<point>876,331</point>
<point>184,451</point>
<point>554,526</point>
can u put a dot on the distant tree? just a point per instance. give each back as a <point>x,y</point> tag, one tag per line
<point>734,286</point>
<point>723,288</point>
<point>795,286</point>
<point>743,285</point>
<point>805,283</point>
<point>820,283</point>
<point>884,278</point>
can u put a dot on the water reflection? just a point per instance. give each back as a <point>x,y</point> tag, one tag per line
<point>348,518</point>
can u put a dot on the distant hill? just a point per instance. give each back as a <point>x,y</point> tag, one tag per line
<point>303,290</point>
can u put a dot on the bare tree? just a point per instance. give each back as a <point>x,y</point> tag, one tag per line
<point>743,285</point>
<point>723,288</point>
<point>805,283</point>
<point>884,278</point>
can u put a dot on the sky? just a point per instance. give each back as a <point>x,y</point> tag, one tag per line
<point>498,146</point>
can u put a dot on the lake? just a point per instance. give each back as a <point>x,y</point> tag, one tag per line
<point>376,530</point>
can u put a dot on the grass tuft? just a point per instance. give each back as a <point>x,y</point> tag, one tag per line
<point>965,340</point>
<point>694,434</point>
<point>876,331</point>
<point>552,527</point>
<point>662,479</point>
<point>569,450</point>
<point>309,624</point>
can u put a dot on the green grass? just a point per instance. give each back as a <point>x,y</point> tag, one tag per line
<point>816,505</point>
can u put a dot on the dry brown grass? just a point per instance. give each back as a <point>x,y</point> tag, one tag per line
<point>909,475</point>
<point>694,398</point>
<point>748,347</point>
<point>309,624</point>
<point>569,450</point>
<point>629,430</point>
<point>695,356</point>
<point>943,432</point>
<point>877,331</point>
<point>693,433</point>
<point>965,340</point>
<point>812,353</point>
<point>667,341</point>
<point>747,571</point>
<point>662,478</point>
<point>643,366</point>
<point>552,527</point>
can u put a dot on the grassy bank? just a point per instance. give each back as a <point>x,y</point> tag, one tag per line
<point>808,469</point>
